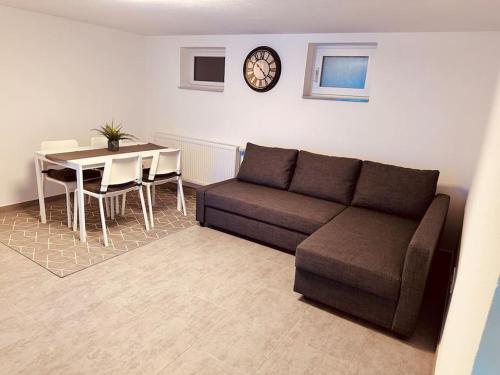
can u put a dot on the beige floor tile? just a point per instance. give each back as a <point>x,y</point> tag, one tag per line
<point>197,301</point>
<point>296,358</point>
<point>195,362</point>
<point>229,292</point>
<point>236,344</point>
<point>15,326</point>
<point>271,312</point>
<point>146,344</point>
<point>6,254</point>
<point>385,354</point>
<point>334,335</point>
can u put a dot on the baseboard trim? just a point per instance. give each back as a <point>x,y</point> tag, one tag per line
<point>191,185</point>
<point>17,206</point>
<point>20,205</point>
<point>185,184</point>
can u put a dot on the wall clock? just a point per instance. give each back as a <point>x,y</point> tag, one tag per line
<point>262,69</point>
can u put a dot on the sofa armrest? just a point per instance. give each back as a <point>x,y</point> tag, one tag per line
<point>200,199</point>
<point>417,264</point>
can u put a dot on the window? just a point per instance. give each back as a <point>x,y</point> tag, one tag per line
<point>209,69</point>
<point>339,71</point>
<point>202,68</point>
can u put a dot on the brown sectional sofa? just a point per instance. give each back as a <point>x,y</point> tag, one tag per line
<point>363,233</point>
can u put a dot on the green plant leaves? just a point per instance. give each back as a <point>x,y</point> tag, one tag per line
<point>114,133</point>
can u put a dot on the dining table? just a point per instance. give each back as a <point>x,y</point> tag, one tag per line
<point>80,159</point>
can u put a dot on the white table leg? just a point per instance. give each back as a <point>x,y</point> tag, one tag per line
<point>81,204</point>
<point>41,193</point>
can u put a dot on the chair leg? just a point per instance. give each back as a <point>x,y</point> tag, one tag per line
<point>106,203</point>
<point>181,190</point>
<point>117,205</point>
<point>154,194</point>
<point>123,203</point>
<point>151,221</point>
<point>103,222</point>
<point>75,211</point>
<point>179,202</point>
<point>68,206</point>
<point>112,208</point>
<point>143,205</point>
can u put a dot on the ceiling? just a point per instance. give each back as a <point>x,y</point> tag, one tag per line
<point>166,17</point>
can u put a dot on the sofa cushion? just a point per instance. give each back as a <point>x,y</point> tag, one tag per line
<point>270,166</point>
<point>396,190</point>
<point>327,177</point>
<point>360,248</point>
<point>278,207</point>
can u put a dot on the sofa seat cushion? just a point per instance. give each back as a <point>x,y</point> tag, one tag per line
<point>326,177</point>
<point>360,248</point>
<point>270,166</point>
<point>395,190</point>
<point>278,207</point>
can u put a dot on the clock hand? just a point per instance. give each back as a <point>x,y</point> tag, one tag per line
<point>258,66</point>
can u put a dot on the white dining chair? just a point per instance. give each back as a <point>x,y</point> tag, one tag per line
<point>65,177</point>
<point>121,174</point>
<point>100,141</point>
<point>165,167</point>
<point>128,142</point>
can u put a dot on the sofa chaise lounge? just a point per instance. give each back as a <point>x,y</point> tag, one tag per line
<point>363,233</point>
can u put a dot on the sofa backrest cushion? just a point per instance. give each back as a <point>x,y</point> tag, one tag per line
<point>327,177</point>
<point>396,190</point>
<point>269,166</point>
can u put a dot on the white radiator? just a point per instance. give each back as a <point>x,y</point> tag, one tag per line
<point>203,162</point>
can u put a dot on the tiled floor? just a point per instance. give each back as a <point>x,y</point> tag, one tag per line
<point>195,302</point>
<point>58,249</point>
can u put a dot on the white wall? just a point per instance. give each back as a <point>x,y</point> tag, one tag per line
<point>58,80</point>
<point>479,264</point>
<point>431,95</point>
<point>429,105</point>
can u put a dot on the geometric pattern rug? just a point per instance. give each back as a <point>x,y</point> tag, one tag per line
<point>58,249</point>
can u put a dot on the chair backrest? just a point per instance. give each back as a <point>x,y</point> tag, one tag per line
<point>98,141</point>
<point>59,145</point>
<point>101,141</point>
<point>165,161</point>
<point>120,170</point>
<point>128,142</point>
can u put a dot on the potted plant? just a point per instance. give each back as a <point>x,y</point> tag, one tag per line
<point>113,134</point>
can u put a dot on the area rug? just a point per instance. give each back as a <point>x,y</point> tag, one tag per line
<point>58,249</point>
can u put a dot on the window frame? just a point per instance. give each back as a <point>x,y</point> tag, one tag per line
<point>204,53</point>
<point>315,90</point>
<point>187,58</point>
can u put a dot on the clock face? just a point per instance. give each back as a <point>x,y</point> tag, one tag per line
<point>262,69</point>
